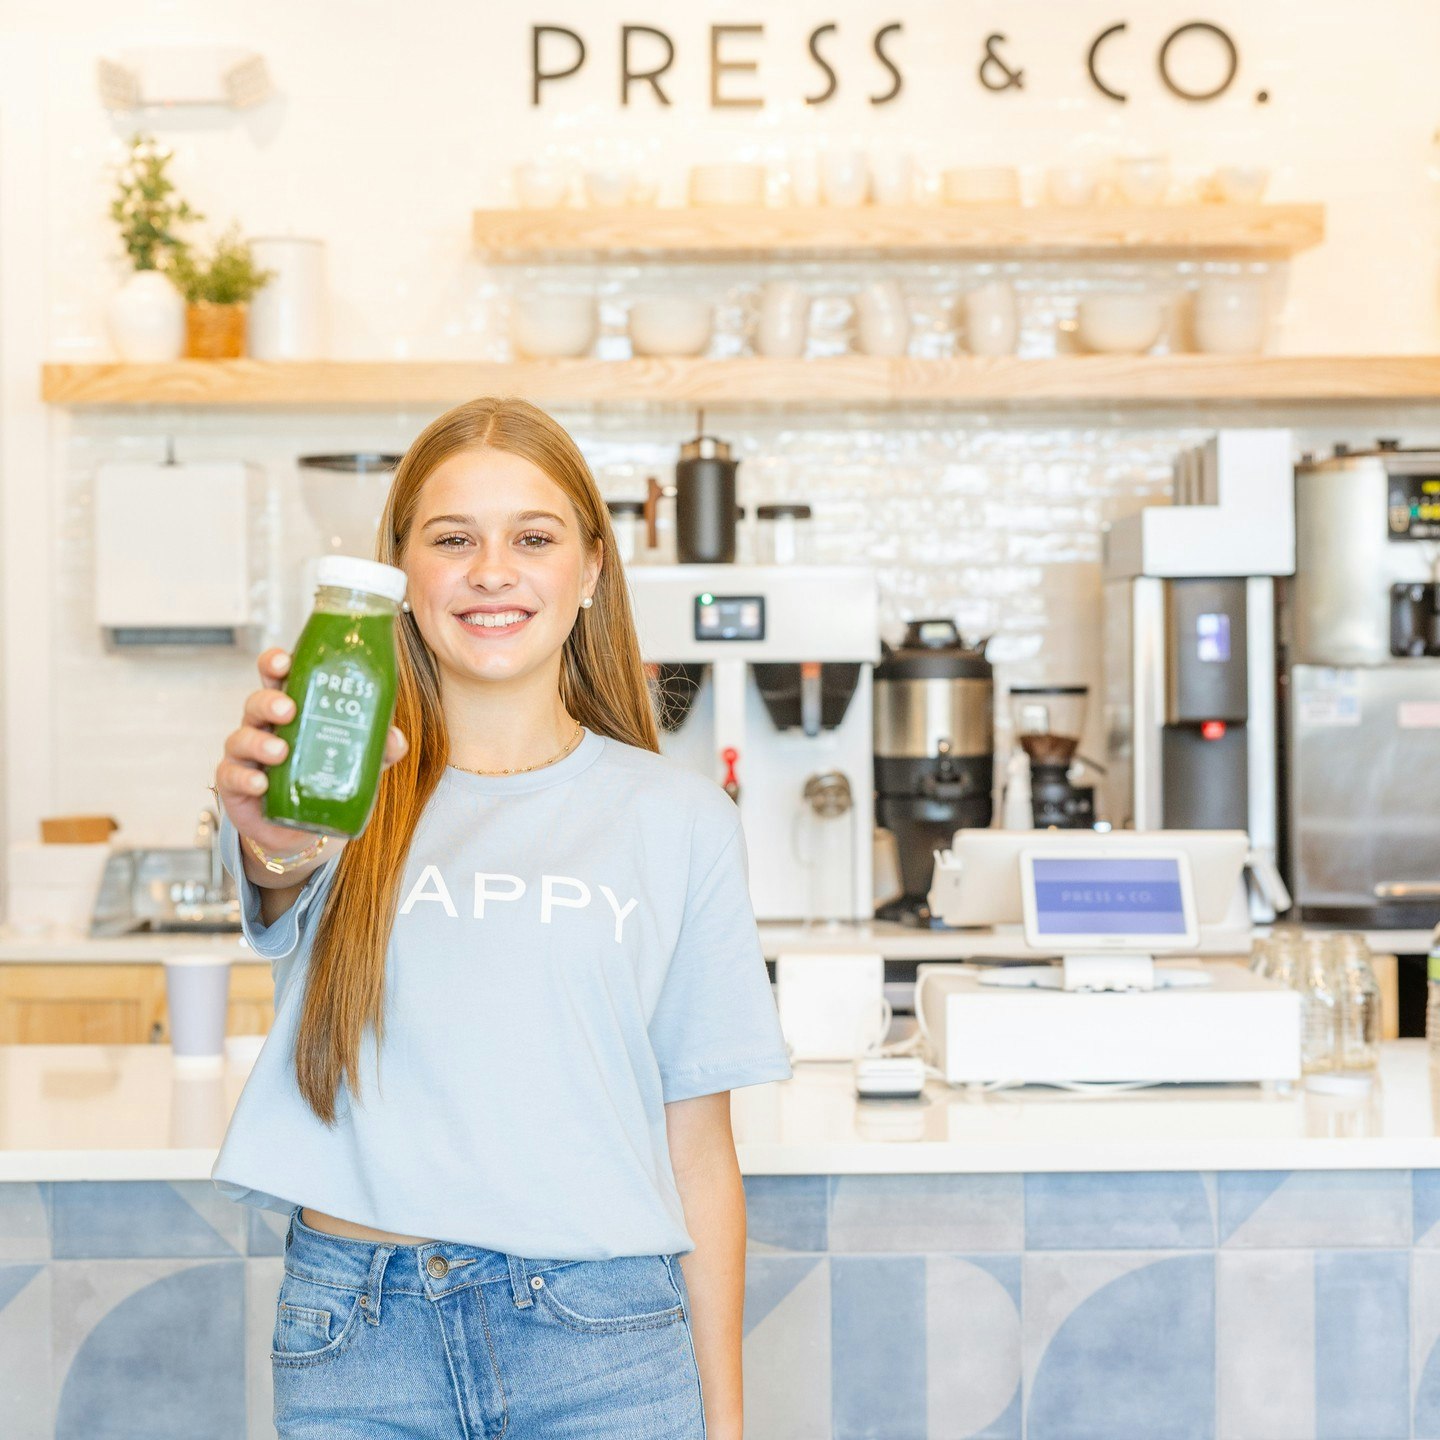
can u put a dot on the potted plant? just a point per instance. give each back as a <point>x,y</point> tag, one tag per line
<point>217,290</point>
<point>146,317</point>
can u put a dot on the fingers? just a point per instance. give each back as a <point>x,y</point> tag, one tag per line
<point>240,781</point>
<point>274,666</point>
<point>268,707</point>
<point>258,747</point>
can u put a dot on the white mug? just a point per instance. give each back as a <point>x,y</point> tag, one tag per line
<point>784,320</point>
<point>844,178</point>
<point>883,319</point>
<point>892,178</point>
<point>992,319</point>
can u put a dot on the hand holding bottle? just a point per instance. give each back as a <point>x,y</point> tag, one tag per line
<point>241,778</point>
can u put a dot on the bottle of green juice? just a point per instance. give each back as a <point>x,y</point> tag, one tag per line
<point>342,680</point>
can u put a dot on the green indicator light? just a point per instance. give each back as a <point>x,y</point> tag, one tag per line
<point>707,599</point>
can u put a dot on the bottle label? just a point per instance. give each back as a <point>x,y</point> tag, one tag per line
<point>1432,967</point>
<point>336,722</point>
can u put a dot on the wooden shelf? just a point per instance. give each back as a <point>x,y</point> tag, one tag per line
<point>939,230</point>
<point>964,382</point>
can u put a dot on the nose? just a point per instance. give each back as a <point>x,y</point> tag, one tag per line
<point>492,567</point>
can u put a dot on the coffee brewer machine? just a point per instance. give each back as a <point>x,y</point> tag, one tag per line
<point>1360,633</point>
<point>764,679</point>
<point>934,752</point>
<point>1190,671</point>
<point>1048,720</point>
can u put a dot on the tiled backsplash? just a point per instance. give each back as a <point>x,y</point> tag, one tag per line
<point>992,522</point>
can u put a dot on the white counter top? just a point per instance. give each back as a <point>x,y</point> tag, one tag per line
<point>895,942</point>
<point>124,1112</point>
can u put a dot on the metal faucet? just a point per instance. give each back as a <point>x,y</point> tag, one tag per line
<point>207,834</point>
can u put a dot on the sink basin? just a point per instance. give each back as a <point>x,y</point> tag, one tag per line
<point>164,892</point>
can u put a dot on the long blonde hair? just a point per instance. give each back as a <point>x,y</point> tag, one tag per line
<point>602,684</point>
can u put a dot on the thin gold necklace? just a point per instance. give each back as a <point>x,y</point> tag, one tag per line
<point>521,769</point>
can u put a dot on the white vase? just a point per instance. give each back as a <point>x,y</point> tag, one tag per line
<point>287,315</point>
<point>146,318</point>
<point>992,319</point>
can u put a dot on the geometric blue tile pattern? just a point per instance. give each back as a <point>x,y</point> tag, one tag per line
<point>877,1346</point>
<point>1167,1211</point>
<point>1134,1361</point>
<point>129,1218</point>
<point>167,1363</point>
<point>1362,1342</point>
<point>13,1279</point>
<point>896,1303</point>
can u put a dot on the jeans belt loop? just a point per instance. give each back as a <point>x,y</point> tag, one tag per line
<point>519,1282</point>
<point>374,1283</point>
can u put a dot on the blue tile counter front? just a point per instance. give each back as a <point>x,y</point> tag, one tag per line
<point>1243,1305</point>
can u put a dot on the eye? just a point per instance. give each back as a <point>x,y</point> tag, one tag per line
<point>536,535</point>
<point>445,539</point>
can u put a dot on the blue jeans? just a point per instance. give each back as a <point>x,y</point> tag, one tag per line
<point>452,1342</point>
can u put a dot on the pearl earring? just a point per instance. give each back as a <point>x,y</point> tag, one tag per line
<point>405,606</point>
<point>588,601</point>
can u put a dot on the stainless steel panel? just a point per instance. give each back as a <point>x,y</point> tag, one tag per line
<point>913,716</point>
<point>1364,782</point>
<point>1345,564</point>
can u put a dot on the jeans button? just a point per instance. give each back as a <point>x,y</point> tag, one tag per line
<point>438,1266</point>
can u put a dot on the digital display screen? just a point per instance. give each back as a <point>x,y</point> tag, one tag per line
<point>1414,508</point>
<point>1212,638</point>
<point>729,617</point>
<point>1111,896</point>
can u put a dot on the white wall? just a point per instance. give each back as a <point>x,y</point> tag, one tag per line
<point>393,122</point>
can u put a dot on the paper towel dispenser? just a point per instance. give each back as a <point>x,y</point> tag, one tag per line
<point>174,561</point>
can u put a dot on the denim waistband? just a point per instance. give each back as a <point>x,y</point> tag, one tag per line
<point>433,1269</point>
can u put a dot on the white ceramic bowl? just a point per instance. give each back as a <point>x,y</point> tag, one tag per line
<point>730,183</point>
<point>1144,179</point>
<point>1071,185</point>
<point>982,185</point>
<point>608,189</point>
<point>547,327</point>
<point>541,187</point>
<point>1121,323</point>
<point>670,325</point>
<point>1240,184</point>
<point>1232,316</point>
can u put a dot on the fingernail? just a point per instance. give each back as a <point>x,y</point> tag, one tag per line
<point>274,747</point>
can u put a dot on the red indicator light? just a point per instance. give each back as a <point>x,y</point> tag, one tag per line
<point>1213,730</point>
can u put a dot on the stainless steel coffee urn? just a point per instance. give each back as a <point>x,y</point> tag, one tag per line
<point>1360,648</point>
<point>934,751</point>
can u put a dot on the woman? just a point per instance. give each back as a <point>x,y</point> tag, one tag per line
<point>494,1102</point>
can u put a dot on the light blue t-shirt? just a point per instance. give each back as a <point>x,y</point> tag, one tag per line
<point>573,948</point>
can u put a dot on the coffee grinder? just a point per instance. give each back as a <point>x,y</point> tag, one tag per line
<point>1048,720</point>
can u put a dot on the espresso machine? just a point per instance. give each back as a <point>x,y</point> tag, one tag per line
<point>1190,660</point>
<point>763,682</point>
<point>934,753</point>
<point>1360,644</point>
<point>1048,720</point>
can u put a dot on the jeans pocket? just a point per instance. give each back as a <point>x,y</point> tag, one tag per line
<point>629,1292</point>
<point>313,1322</point>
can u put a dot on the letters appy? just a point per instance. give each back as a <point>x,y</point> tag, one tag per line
<point>557,892</point>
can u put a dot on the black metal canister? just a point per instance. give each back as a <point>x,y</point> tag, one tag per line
<point>705,502</point>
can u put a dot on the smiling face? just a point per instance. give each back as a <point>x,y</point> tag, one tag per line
<point>496,567</point>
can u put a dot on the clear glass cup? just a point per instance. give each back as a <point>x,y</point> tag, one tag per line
<point>1319,1008</point>
<point>1358,1018</point>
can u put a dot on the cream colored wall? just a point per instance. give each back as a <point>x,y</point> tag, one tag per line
<point>393,122</point>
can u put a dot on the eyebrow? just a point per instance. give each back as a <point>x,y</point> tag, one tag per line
<point>520,517</point>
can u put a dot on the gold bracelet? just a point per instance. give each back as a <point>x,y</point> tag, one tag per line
<point>279,864</point>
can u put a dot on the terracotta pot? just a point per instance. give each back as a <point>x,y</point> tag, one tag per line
<point>214,332</point>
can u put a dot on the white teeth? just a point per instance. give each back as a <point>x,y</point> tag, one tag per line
<point>492,622</point>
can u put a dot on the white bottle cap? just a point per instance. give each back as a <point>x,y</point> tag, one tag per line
<point>349,572</point>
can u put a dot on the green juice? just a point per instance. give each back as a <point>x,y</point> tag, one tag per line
<point>342,680</point>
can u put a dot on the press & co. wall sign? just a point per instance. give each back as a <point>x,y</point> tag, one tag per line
<point>1196,61</point>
